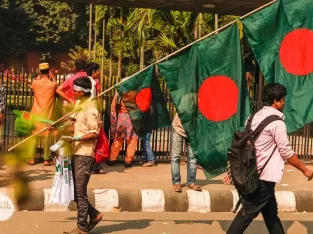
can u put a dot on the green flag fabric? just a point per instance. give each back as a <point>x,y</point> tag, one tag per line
<point>281,37</point>
<point>211,96</point>
<point>144,101</point>
<point>25,122</point>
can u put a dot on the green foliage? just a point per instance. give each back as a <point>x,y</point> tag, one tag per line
<point>41,25</point>
<point>14,31</point>
<point>53,22</point>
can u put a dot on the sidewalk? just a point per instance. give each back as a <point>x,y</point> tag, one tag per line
<point>150,189</point>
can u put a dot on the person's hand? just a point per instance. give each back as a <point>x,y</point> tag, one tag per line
<point>50,126</point>
<point>309,174</point>
<point>67,138</point>
<point>227,180</point>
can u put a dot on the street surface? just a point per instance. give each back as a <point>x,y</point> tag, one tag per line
<point>25,222</point>
<point>137,177</point>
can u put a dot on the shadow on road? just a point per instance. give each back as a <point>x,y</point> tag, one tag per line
<point>123,225</point>
<point>259,225</point>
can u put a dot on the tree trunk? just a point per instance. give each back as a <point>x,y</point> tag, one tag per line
<point>120,56</point>
<point>103,51</point>
<point>200,24</point>
<point>111,54</point>
<point>119,66</point>
<point>195,30</point>
<point>90,30</point>
<point>95,40</point>
<point>142,57</point>
<point>157,58</point>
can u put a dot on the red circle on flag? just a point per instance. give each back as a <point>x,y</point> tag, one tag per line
<point>218,98</point>
<point>296,52</point>
<point>143,99</point>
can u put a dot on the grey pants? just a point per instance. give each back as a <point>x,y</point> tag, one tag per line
<point>82,167</point>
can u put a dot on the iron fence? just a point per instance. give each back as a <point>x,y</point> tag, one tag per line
<point>20,96</point>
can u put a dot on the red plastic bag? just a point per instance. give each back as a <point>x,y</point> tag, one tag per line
<point>102,151</point>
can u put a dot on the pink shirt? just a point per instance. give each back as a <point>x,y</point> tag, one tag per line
<point>273,134</point>
<point>68,85</point>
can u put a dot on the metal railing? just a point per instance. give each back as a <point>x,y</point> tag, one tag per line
<point>20,97</point>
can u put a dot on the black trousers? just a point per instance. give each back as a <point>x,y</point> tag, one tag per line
<point>97,167</point>
<point>262,201</point>
<point>82,167</point>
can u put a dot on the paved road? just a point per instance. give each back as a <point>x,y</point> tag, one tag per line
<point>147,223</point>
<point>138,177</point>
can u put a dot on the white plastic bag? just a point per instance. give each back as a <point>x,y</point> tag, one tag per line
<point>57,184</point>
<point>63,184</point>
<point>65,190</point>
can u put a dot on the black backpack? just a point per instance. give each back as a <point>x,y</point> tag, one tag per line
<point>242,159</point>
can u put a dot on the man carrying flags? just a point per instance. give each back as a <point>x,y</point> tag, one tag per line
<point>86,131</point>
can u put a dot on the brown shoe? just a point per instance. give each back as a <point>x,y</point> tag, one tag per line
<point>76,231</point>
<point>94,222</point>
<point>194,187</point>
<point>149,164</point>
<point>48,163</point>
<point>177,188</point>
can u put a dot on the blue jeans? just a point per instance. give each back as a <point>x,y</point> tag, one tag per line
<point>148,155</point>
<point>176,151</point>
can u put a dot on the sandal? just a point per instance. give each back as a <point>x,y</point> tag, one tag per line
<point>177,188</point>
<point>48,163</point>
<point>94,222</point>
<point>149,164</point>
<point>32,162</point>
<point>194,187</point>
<point>100,172</point>
<point>76,231</point>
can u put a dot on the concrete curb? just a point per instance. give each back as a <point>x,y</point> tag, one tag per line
<point>154,200</point>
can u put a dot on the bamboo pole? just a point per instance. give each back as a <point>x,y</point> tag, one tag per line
<point>60,120</point>
<point>159,61</point>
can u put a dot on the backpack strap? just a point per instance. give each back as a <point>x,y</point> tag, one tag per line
<point>260,128</point>
<point>263,124</point>
<point>262,169</point>
<point>249,123</point>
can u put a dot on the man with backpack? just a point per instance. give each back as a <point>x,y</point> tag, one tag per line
<point>256,161</point>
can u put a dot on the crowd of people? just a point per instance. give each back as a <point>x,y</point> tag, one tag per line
<point>272,146</point>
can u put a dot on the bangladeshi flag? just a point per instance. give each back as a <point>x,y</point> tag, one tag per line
<point>211,96</point>
<point>144,101</point>
<point>281,37</point>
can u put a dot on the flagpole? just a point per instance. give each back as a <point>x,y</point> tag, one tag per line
<point>159,61</point>
<point>216,31</point>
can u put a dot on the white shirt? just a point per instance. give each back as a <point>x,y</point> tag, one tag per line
<point>93,87</point>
